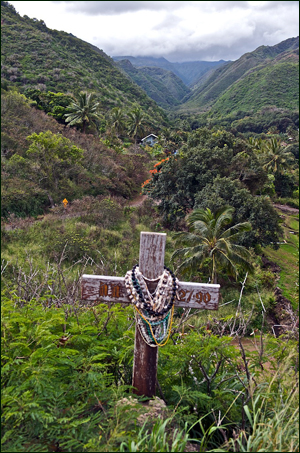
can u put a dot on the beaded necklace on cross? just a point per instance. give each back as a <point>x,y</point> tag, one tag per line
<point>154,312</point>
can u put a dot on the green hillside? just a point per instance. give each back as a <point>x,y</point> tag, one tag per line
<point>163,86</point>
<point>33,55</point>
<point>273,85</point>
<point>267,69</point>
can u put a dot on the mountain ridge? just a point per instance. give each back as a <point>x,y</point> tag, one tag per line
<point>226,77</point>
<point>36,56</point>
<point>189,71</point>
<point>161,85</point>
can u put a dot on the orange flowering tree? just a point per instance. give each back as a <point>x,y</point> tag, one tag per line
<point>146,186</point>
<point>165,179</point>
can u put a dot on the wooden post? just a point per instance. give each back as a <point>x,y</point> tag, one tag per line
<point>151,264</point>
<point>101,288</point>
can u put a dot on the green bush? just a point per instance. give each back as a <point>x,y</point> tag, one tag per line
<point>293,202</point>
<point>58,383</point>
<point>22,198</point>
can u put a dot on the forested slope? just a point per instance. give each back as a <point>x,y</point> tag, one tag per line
<point>163,86</point>
<point>274,68</point>
<point>37,57</point>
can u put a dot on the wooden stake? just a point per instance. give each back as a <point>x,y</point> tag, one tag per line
<point>151,264</point>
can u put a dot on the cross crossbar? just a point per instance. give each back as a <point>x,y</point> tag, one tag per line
<point>106,289</point>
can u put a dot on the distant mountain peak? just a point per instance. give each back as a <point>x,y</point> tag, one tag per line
<point>188,71</point>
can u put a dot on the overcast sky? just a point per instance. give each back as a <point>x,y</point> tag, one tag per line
<point>176,30</point>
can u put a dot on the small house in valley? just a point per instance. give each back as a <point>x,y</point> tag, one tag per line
<point>150,140</point>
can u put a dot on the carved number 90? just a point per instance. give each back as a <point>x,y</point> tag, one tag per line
<point>186,296</point>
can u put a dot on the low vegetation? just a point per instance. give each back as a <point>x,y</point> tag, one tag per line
<point>66,366</point>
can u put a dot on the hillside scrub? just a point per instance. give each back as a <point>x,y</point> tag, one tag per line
<point>26,184</point>
<point>51,341</point>
<point>66,367</point>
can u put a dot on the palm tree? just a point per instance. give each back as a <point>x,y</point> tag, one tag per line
<point>117,120</point>
<point>208,238</point>
<point>276,158</point>
<point>256,143</point>
<point>136,122</point>
<point>83,111</point>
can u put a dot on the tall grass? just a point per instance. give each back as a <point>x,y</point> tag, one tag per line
<point>273,417</point>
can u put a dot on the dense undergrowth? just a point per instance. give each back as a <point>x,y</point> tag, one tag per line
<point>65,369</point>
<point>66,366</point>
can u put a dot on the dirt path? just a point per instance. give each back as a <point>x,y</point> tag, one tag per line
<point>250,346</point>
<point>286,208</point>
<point>138,201</point>
<point>28,221</point>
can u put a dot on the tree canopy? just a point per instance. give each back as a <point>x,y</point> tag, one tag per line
<point>213,170</point>
<point>53,158</point>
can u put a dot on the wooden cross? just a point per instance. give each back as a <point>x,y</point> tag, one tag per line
<point>112,289</point>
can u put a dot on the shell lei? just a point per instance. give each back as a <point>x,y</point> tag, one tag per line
<point>154,312</point>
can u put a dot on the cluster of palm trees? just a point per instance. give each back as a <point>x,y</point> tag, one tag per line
<point>84,112</point>
<point>134,122</point>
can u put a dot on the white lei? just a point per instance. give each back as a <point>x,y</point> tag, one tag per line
<point>153,310</point>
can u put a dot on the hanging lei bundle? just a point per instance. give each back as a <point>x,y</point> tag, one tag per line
<point>154,312</point>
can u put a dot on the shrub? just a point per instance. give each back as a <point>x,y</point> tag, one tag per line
<point>22,198</point>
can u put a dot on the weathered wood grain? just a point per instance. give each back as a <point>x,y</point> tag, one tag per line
<point>151,264</point>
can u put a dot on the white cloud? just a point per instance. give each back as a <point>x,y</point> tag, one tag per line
<point>183,30</point>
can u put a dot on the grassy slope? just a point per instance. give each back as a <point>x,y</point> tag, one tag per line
<point>287,258</point>
<point>273,85</point>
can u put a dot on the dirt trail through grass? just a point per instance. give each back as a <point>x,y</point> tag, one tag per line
<point>252,345</point>
<point>287,256</point>
<point>138,201</point>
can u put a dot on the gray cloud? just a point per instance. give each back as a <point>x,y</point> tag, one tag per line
<point>275,5</point>
<point>176,30</point>
<point>118,7</point>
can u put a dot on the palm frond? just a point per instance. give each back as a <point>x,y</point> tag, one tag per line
<point>236,230</point>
